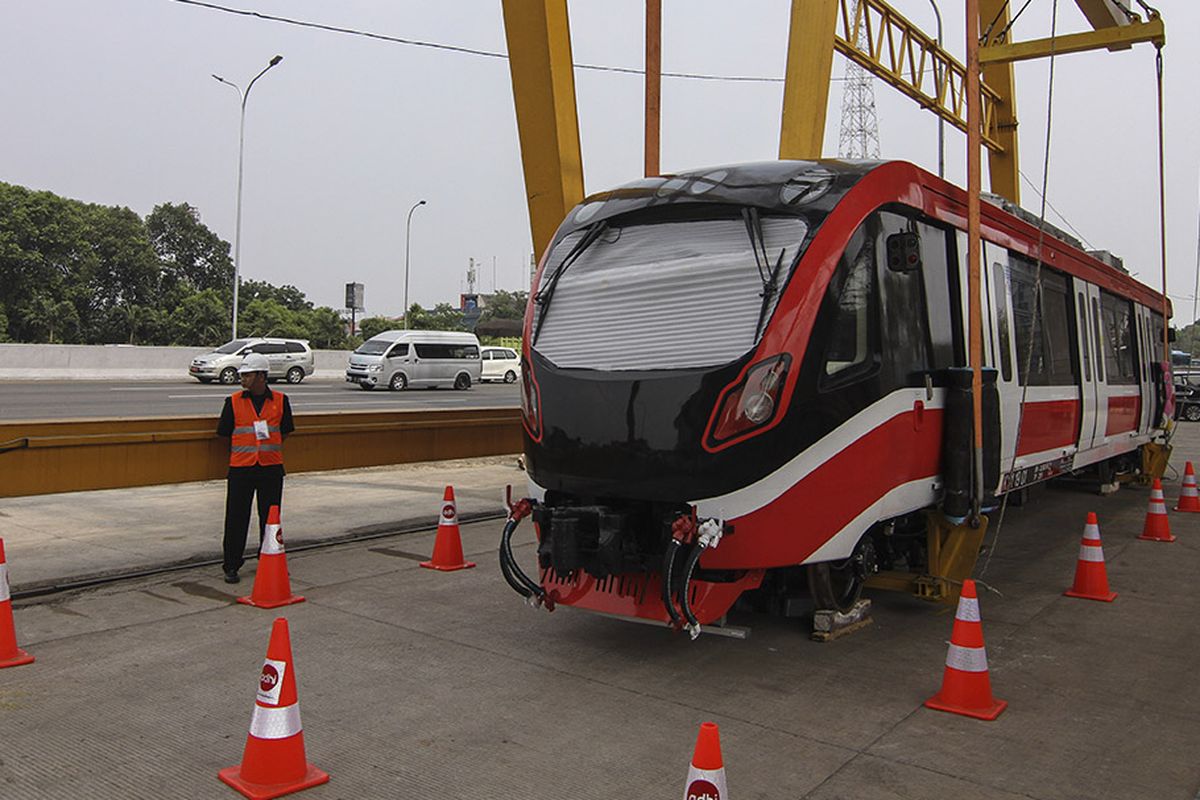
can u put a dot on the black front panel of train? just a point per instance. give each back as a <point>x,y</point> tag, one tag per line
<point>637,436</point>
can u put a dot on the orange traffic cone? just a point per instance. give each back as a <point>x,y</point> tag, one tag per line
<point>1091,576</point>
<point>1157,527</point>
<point>706,775</point>
<point>966,688</point>
<point>447,548</point>
<point>272,588</point>
<point>273,763</point>
<point>1189,499</point>
<point>10,654</point>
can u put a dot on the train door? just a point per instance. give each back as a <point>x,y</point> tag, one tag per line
<point>999,321</point>
<point>1100,362</point>
<point>1089,361</point>
<point>1140,320</point>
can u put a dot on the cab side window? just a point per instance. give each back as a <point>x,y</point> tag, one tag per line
<point>399,351</point>
<point>849,353</point>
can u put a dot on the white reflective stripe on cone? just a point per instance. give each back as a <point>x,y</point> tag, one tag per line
<point>1158,507</point>
<point>968,609</point>
<point>275,723</point>
<point>4,593</point>
<point>1091,532</point>
<point>708,779</point>
<point>272,543</point>
<point>966,659</point>
<point>1090,553</point>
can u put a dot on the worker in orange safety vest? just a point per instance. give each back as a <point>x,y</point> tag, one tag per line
<point>255,419</point>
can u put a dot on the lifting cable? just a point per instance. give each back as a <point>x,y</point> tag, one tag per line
<point>1035,325</point>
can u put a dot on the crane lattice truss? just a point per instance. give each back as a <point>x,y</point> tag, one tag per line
<point>859,136</point>
<point>878,40</point>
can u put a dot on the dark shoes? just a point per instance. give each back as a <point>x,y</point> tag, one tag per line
<point>231,576</point>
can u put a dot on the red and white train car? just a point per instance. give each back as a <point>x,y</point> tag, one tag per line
<point>737,379</point>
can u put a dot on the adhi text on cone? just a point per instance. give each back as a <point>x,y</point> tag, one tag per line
<point>966,687</point>
<point>447,548</point>
<point>706,774</point>
<point>272,587</point>
<point>274,763</point>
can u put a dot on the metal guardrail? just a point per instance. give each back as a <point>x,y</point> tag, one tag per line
<point>44,457</point>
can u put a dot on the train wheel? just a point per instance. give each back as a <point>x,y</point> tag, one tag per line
<point>838,585</point>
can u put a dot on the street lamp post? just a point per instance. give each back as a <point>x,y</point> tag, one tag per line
<point>237,232</point>
<point>407,232</point>
<point>937,74</point>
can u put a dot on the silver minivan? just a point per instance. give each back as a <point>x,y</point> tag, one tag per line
<point>289,359</point>
<point>400,359</point>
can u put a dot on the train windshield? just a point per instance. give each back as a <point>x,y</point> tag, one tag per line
<point>668,295</point>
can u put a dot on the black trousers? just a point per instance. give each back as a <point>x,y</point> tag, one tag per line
<point>242,485</point>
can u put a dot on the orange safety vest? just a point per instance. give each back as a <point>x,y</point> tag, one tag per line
<point>246,449</point>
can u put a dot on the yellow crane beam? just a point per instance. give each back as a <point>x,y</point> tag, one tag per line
<point>1120,37</point>
<point>543,79</point>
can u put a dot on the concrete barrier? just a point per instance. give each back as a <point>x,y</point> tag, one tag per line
<point>122,362</point>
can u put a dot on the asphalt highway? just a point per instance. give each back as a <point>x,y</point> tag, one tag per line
<point>20,400</point>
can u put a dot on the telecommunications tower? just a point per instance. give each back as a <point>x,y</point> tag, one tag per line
<point>859,137</point>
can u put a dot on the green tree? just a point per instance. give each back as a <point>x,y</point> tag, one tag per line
<point>289,297</point>
<point>442,317</point>
<point>191,255</point>
<point>201,318</point>
<point>326,329</point>
<point>505,305</point>
<point>369,327</point>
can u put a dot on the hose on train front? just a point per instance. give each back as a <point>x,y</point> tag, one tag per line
<point>693,624</point>
<point>505,569</point>
<point>668,564</point>
<point>513,573</point>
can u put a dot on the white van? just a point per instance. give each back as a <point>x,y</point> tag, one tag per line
<point>399,359</point>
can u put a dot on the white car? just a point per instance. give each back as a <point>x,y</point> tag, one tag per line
<point>290,359</point>
<point>500,364</point>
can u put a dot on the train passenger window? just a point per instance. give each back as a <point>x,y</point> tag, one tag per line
<point>1001,294</point>
<point>1118,340</point>
<point>1083,338</point>
<point>1056,312</point>
<point>1031,352</point>
<point>851,332</point>
<point>1096,338</point>
<point>1043,325</point>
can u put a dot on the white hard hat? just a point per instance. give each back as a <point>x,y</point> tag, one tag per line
<point>255,362</point>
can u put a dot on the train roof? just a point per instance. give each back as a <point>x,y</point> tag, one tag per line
<point>814,188</point>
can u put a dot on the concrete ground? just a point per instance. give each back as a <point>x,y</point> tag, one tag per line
<point>445,685</point>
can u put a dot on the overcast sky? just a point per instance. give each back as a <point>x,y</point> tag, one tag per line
<point>112,102</point>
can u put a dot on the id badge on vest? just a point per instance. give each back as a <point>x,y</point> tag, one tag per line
<point>260,430</point>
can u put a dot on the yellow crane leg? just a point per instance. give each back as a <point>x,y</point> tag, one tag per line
<point>1003,164</point>
<point>539,57</point>
<point>806,82</point>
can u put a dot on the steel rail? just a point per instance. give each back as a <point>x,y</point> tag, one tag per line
<point>49,589</point>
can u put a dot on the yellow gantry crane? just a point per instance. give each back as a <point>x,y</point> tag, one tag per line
<point>893,49</point>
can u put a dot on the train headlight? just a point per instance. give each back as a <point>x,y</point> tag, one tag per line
<point>759,408</point>
<point>750,405</point>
